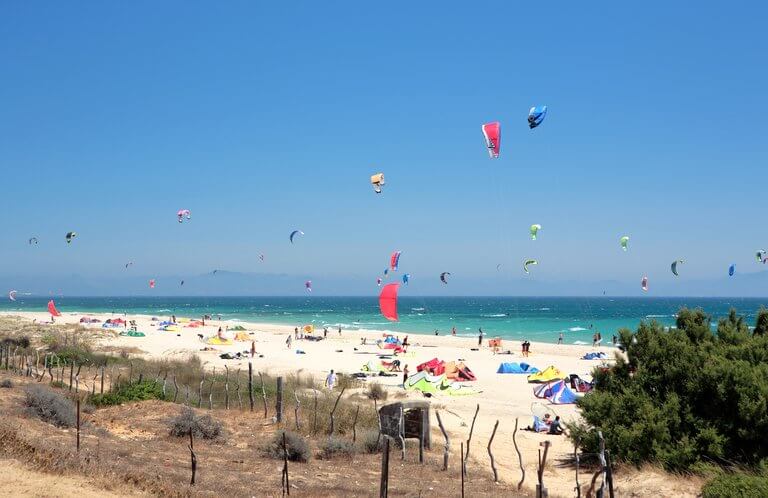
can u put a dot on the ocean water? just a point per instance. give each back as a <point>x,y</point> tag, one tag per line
<point>533,318</point>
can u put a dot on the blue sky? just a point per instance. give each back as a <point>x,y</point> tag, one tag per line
<point>266,117</point>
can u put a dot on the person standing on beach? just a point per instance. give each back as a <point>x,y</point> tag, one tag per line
<point>614,339</point>
<point>339,330</point>
<point>453,331</point>
<point>253,349</point>
<point>560,339</point>
<point>405,375</point>
<point>330,381</point>
<point>480,337</point>
<point>173,318</point>
<point>289,341</point>
<point>325,332</point>
<point>594,340</point>
<point>436,332</point>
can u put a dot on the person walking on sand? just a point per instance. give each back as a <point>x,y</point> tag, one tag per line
<point>289,341</point>
<point>325,332</point>
<point>339,331</point>
<point>330,381</point>
<point>405,375</point>
<point>560,339</point>
<point>453,331</point>
<point>480,337</point>
<point>173,318</point>
<point>253,349</point>
<point>296,333</point>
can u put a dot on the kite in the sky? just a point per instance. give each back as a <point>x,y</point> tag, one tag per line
<point>215,272</point>
<point>70,236</point>
<point>152,283</point>
<point>378,281</point>
<point>443,275</point>
<point>129,263</point>
<point>388,301</point>
<point>394,260</point>
<point>377,181</point>
<point>182,283</point>
<point>731,270</point>
<point>308,285</point>
<point>492,134</point>
<point>536,115</point>
<point>528,263</point>
<point>644,284</point>
<point>498,267</point>
<point>386,271</point>
<point>674,266</point>
<point>182,213</point>
<point>535,230</point>
<point>624,241</point>
<point>294,233</point>
<point>261,257</point>
<point>760,255</point>
<point>12,295</point>
<point>406,278</point>
<point>33,240</point>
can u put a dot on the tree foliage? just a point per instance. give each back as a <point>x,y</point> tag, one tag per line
<point>684,395</point>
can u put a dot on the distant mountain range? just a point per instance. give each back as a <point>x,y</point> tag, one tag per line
<point>227,283</point>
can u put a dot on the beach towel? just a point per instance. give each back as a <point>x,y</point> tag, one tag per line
<point>216,341</point>
<point>547,375</point>
<point>242,336</point>
<point>516,368</point>
<point>238,328</point>
<point>132,333</point>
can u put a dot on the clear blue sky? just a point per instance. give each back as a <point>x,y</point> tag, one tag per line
<point>265,117</point>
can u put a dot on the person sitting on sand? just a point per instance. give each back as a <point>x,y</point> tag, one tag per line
<point>330,381</point>
<point>556,427</point>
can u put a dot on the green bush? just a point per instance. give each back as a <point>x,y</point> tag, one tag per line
<point>371,441</point>
<point>135,391</point>
<point>50,406</point>
<point>685,395</point>
<point>335,447</point>
<point>297,447</point>
<point>376,391</point>
<point>736,486</point>
<point>202,426</point>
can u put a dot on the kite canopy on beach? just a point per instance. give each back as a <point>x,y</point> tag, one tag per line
<point>492,134</point>
<point>536,115</point>
<point>388,301</point>
<point>294,233</point>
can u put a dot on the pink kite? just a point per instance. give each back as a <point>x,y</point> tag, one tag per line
<point>182,213</point>
<point>492,134</point>
<point>152,284</point>
<point>308,285</point>
<point>388,301</point>
<point>52,309</point>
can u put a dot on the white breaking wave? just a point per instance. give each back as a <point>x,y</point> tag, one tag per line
<point>576,329</point>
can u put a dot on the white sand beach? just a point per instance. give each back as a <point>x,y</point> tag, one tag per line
<point>501,397</point>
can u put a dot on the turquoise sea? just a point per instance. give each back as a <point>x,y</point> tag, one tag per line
<point>533,318</point>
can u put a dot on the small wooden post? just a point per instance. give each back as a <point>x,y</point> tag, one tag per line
<point>576,459</point>
<point>541,491</point>
<point>314,419</point>
<point>519,457</point>
<point>71,375</point>
<point>101,389</point>
<point>471,430</point>
<point>226,389</point>
<point>296,410</point>
<point>78,424</point>
<point>175,388</point>
<point>384,483</point>
<point>447,447</point>
<point>493,462</point>
<point>200,391</point>
<point>609,472</point>
<point>263,394</point>
<point>250,383</point>
<point>210,389</point>
<point>335,405</point>
<point>237,391</point>
<point>462,470</point>
<point>601,455</point>
<point>193,457</point>
<point>286,483</point>
<point>279,401</point>
<point>354,424</point>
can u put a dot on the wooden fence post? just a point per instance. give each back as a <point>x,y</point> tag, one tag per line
<point>226,389</point>
<point>447,447</point>
<point>609,473</point>
<point>263,394</point>
<point>335,405</point>
<point>576,459</point>
<point>71,374</point>
<point>296,410</point>
<point>493,462</point>
<point>384,483</point>
<point>462,469</point>
<point>541,491</point>
<point>285,482</point>
<point>250,383</point>
<point>471,429</point>
<point>279,401</point>
<point>210,389</point>
<point>101,389</point>
<point>354,424</point>
<point>237,391</point>
<point>519,457</point>
<point>78,423</point>
<point>193,457</point>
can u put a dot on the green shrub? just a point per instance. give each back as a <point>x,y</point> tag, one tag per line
<point>736,486</point>
<point>297,447</point>
<point>376,391</point>
<point>50,406</point>
<point>335,447</point>
<point>684,395</point>
<point>371,442</point>
<point>135,391</point>
<point>202,426</point>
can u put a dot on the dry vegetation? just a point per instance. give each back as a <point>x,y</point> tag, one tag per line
<point>133,446</point>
